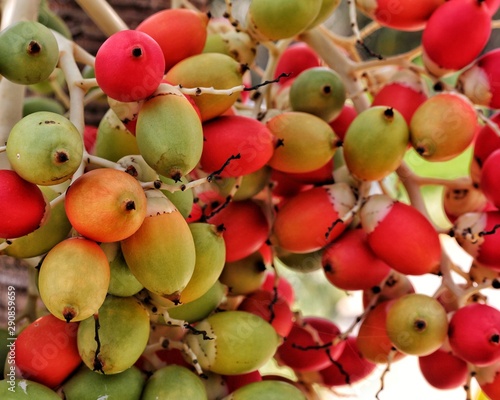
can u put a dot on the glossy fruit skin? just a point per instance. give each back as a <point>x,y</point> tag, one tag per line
<point>123,335</point>
<point>106,205</point>
<point>443,370</point>
<point>23,205</point>
<point>181,33</point>
<point>229,136</point>
<point>127,384</point>
<point>350,264</point>
<point>405,15</point>
<point>169,133</point>
<point>318,91</point>
<point>308,142</point>
<point>417,324</point>
<point>28,389</point>
<point>281,19</point>
<point>60,283</point>
<point>45,148</point>
<point>292,353</point>
<point>245,228</point>
<point>446,40</point>
<point>245,275</point>
<point>473,334</point>
<point>295,59</point>
<point>375,143</point>
<point>132,55</point>
<point>331,203</point>
<point>443,126</point>
<point>46,350</point>
<point>486,142</point>
<point>208,70</point>
<point>418,252</point>
<point>241,342</point>
<point>29,52</point>
<point>489,180</point>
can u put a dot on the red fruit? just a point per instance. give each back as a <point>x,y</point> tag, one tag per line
<point>23,205</point>
<point>245,228</point>
<point>402,97</point>
<point>487,141</point>
<point>89,138</point>
<point>401,236</point>
<point>46,350</point>
<point>489,182</point>
<point>316,209</point>
<point>296,58</point>
<point>284,288</point>
<point>306,346</point>
<point>474,334</point>
<point>129,66</point>
<point>179,32</point>
<point>350,367</point>
<point>285,186</point>
<point>274,309</point>
<point>403,15</point>
<point>320,176</point>
<point>455,34</point>
<point>229,136</point>
<point>234,382</point>
<point>343,120</point>
<point>443,370</point>
<point>350,264</point>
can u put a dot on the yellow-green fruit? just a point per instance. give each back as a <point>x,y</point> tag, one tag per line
<point>325,11</point>
<point>28,52</point>
<point>319,91</point>
<point>182,199</point>
<point>23,389</point>
<point>161,254</point>
<point>210,255</point>
<point>251,184</point>
<point>245,275</point>
<point>236,44</point>
<point>86,384</point>
<point>33,104</point>
<point>53,21</point>
<point>267,390</point>
<point>174,382</point>
<point>169,133</point>
<point>122,282</point>
<point>375,143</point>
<point>122,326</point>
<point>200,308</point>
<point>281,19</point>
<point>45,87</point>
<point>74,279</point>
<point>206,70</point>
<point>45,148</point>
<point>113,140</point>
<point>238,342</point>
<point>55,229</point>
<point>306,142</point>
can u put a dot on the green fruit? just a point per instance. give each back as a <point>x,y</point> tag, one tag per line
<point>245,275</point>
<point>87,385</point>
<point>169,133</point>
<point>174,382</point>
<point>238,342</point>
<point>28,52</point>
<point>281,19</point>
<point>4,349</point>
<point>122,282</point>
<point>123,331</point>
<point>161,253</point>
<point>238,45</point>
<point>207,70</point>
<point>319,91</point>
<point>45,148</point>
<point>304,262</point>
<point>200,308</point>
<point>375,143</point>
<point>53,21</point>
<point>325,11</point>
<point>251,184</point>
<point>74,279</point>
<point>20,389</point>
<point>417,324</point>
<point>182,199</point>
<point>306,142</point>
<point>113,140</point>
<point>210,255</point>
<point>54,230</point>
<point>267,390</point>
<point>33,104</point>
<point>45,87</point>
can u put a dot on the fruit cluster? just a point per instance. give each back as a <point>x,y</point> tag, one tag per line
<point>155,238</point>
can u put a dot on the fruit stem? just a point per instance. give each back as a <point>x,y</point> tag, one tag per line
<point>103,15</point>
